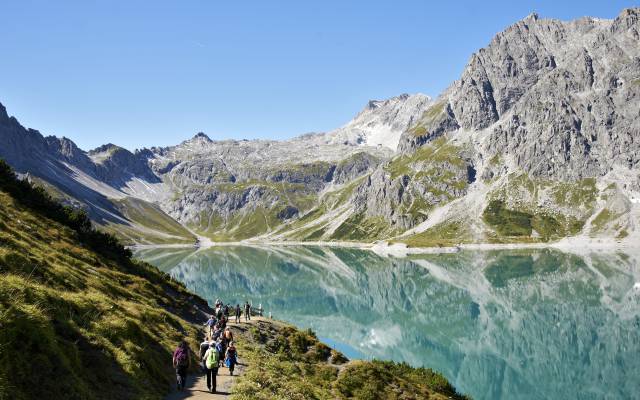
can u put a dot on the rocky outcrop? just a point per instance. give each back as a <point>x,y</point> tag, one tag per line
<point>561,98</point>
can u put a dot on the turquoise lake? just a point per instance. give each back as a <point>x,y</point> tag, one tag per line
<point>508,324</point>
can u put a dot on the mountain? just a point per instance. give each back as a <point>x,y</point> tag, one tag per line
<point>538,140</point>
<point>547,119</point>
<point>226,190</point>
<point>382,123</point>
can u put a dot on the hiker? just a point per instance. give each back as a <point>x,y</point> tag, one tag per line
<point>204,346</point>
<point>211,322</point>
<point>221,348</point>
<point>219,314</point>
<point>247,311</point>
<point>238,313</point>
<point>181,362</point>
<point>223,322</point>
<point>226,311</point>
<point>217,331</point>
<point>231,357</point>
<point>211,360</point>
<point>228,335</point>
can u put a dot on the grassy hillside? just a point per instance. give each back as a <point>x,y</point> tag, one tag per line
<point>149,224</point>
<point>287,363</point>
<point>79,319</point>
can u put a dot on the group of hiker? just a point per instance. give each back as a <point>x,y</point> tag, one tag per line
<point>217,348</point>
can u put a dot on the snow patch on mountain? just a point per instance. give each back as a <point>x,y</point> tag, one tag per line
<point>381,122</point>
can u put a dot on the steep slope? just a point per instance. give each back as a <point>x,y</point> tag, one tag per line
<point>80,319</point>
<point>101,181</point>
<point>545,121</point>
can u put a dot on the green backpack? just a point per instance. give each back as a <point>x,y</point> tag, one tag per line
<point>213,359</point>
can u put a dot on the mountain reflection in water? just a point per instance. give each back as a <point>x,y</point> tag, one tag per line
<point>508,324</point>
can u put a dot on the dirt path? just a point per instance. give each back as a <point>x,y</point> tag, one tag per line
<point>197,384</point>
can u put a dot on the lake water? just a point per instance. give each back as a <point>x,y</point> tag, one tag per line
<point>516,324</point>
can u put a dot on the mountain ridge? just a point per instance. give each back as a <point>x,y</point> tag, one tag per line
<point>542,128</point>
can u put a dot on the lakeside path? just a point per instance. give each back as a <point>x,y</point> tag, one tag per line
<point>197,383</point>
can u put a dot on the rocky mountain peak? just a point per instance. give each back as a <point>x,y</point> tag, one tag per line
<point>66,148</point>
<point>3,113</point>
<point>382,122</point>
<point>628,19</point>
<point>109,147</point>
<point>201,136</point>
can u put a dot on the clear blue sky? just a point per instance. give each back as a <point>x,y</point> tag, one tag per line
<point>144,73</point>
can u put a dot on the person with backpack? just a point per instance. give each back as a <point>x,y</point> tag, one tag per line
<point>211,360</point>
<point>204,346</point>
<point>238,312</point>
<point>181,363</point>
<point>231,357</point>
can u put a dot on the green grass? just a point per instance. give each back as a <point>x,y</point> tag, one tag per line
<point>517,223</point>
<point>150,216</point>
<point>507,222</point>
<point>555,209</point>
<point>576,194</point>
<point>435,153</point>
<point>602,220</point>
<point>448,233</point>
<point>287,363</point>
<point>361,227</point>
<point>495,160</point>
<point>375,380</point>
<point>79,323</point>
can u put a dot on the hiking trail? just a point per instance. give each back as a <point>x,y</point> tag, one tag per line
<point>197,383</point>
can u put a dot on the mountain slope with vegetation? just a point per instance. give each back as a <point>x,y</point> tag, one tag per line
<point>79,318</point>
<point>285,362</point>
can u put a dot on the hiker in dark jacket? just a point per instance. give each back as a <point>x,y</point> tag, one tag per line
<point>238,312</point>
<point>181,363</point>
<point>247,311</point>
